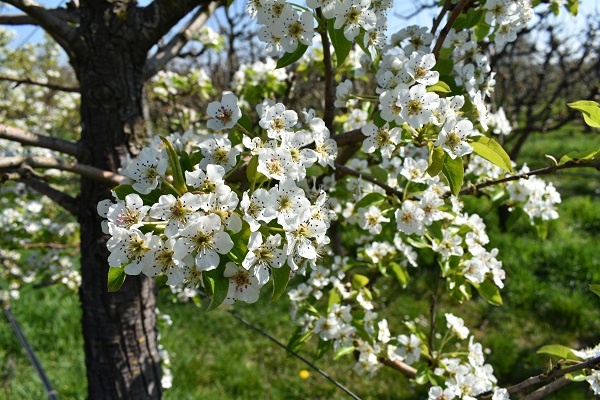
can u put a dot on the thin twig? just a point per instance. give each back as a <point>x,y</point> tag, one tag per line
<point>28,81</point>
<point>329,77</point>
<point>388,189</point>
<point>446,29</point>
<point>401,367</point>
<point>62,199</point>
<point>432,310</point>
<point>548,389</point>
<point>525,175</point>
<point>304,360</point>
<point>49,163</point>
<point>438,20</point>
<point>32,139</point>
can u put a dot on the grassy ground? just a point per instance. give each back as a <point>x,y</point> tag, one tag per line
<point>216,357</point>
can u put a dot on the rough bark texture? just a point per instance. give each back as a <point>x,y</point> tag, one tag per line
<point>119,328</point>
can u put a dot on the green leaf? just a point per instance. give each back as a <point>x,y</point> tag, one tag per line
<point>186,162</point>
<point>281,277</point>
<point>441,87</point>
<point>149,199</point>
<point>444,66</point>
<point>298,339</point>
<point>322,348</point>
<point>489,292</point>
<point>359,281</point>
<point>481,30</point>
<point>437,155</point>
<point>453,171</point>
<point>559,351</point>
<point>342,351</point>
<point>400,273</point>
<point>334,298</point>
<point>178,178</point>
<point>590,111</point>
<point>116,278</point>
<point>290,58</point>
<point>252,174</point>
<point>245,123</point>
<point>220,286</point>
<point>341,45</point>
<point>422,377</point>
<point>580,156</point>
<point>240,243</point>
<point>492,151</point>
<point>595,288</point>
<point>370,200</point>
<point>515,215</point>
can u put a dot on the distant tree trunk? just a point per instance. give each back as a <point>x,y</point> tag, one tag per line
<point>119,329</point>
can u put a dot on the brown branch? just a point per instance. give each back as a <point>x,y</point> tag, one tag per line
<point>329,78</point>
<point>59,246</point>
<point>438,20</point>
<point>53,22</point>
<point>388,189</point>
<point>548,389</point>
<point>47,142</point>
<point>17,19</point>
<point>446,29</point>
<point>399,366</point>
<point>160,16</point>
<point>349,137</point>
<point>541,171</point>
<point>49,162</point>
<point>62,199</point>
<point>553,375</point>
<point>180,39</point>
<point>28,81</point>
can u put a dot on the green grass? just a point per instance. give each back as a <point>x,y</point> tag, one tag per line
<point>546,300</point>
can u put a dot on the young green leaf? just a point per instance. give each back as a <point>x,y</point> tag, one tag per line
<point>590,111</point>
<point>441,87</point>
<point>489,292</point>
<point>453,171</point>
<point>595,288</point>
<point>116,278</point>
<point>559,351</point>
<point>281,277</point>
<point>220,286</point>
<point>400,273</point>
<point>437,155</point>
<point>370,199</point>
<point>341,45</point>
<point>580,156</point>
<point>359,281</point>
<point>492,151</point>
<point>290,58</point>
<point>178,178</point>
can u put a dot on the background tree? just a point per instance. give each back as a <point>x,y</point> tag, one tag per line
<point>107,45</point>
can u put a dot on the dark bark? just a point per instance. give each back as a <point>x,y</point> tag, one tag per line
<point>119,328</point>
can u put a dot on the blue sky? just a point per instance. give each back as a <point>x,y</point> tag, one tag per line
<point>29,33</point>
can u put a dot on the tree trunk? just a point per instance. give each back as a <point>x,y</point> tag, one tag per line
<point>119,329</point>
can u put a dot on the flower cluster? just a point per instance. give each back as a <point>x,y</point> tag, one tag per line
<point>188,226</point>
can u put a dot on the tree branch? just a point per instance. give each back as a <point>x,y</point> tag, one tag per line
<point>401,367</point>
<point>160,16</point>
<point>185,34</point>
<point>17,19</point>
<point>49,162</point>
<point>556,372</point>
<point>546,390</point>
<point>62,199</point>
<point>52,22</point>
<point>47,142</point>
<point>329,78</point>
<point>28,81</point>
<point>446,29</point>
<point>542,171</point>
<point>388,189</point>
